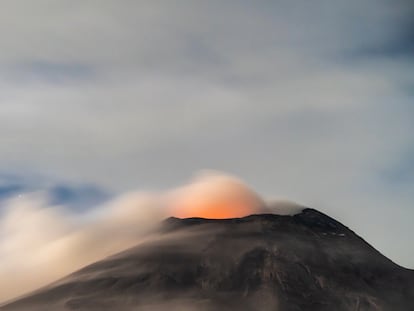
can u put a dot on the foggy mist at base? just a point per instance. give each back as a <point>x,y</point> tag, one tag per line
<point>40,243</point>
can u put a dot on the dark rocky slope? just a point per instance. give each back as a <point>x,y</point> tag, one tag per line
<point>303,262</point>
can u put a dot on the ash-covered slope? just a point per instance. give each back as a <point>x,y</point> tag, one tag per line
<point>303,262</point>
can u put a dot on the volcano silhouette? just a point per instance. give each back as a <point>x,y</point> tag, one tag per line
<point>303,262</point>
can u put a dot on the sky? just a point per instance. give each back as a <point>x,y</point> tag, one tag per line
<point>307,101</point>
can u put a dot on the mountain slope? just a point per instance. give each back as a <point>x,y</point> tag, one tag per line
<point>307,261</point>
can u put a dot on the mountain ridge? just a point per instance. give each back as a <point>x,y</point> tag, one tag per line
<point>307,261</point>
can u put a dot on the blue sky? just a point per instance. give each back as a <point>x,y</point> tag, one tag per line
<point>306,101</point>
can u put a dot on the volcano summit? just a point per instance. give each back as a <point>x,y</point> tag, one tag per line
<point>306,261</point>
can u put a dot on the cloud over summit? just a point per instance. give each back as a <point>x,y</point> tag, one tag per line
<point>306,100</point>
<point>40,243</point>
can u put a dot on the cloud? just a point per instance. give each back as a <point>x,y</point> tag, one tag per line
<point>75,196</point>
<point>310,101</point>
<point>40,243</point>
<point>213,195</point>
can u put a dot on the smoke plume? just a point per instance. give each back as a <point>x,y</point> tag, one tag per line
<point>40,243</point>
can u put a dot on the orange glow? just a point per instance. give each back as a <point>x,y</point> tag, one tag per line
<point>213,211</point>
<point>214,197</point>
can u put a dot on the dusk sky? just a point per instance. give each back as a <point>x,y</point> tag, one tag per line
<point>311,101</point>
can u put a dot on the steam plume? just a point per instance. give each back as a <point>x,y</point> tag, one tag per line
<point>214,196</point>
<point>40,243</point>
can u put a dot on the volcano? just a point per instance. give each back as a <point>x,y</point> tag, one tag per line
<point>302,262</point>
